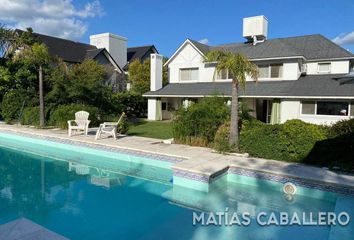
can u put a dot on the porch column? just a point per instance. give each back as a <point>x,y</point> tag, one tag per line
<point>154,109</point>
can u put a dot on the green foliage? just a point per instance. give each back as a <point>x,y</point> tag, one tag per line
<point>334,152</point>
<point>237,65</point>
<point>63,113</point>
<point>139,76</point>
<point>221,139</point>
<point>123,125</point>
<point>30,116</point>
<point>291,141</point>
<point>133,104</point>
<point>11,105</point>
<point>85,84</point>
<point>198,123</point>
<point>341,128</point>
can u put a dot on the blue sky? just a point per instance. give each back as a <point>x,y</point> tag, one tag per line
<point>168,23</point>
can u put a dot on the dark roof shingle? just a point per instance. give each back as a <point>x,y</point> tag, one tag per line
<point>311,47</point>
<point>310,86</point>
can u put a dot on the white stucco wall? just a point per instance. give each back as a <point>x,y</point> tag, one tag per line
<point>289,109</point>
<point>189,57</point>
<point>337,67</point>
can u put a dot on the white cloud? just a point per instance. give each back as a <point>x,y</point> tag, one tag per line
<point>344,38</point>
<point>53,17</point>
<point>204,41</point>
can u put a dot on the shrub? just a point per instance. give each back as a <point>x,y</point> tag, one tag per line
<point>341,128</point>
<point>291,141</point>
<point>30,116</point>
<point>11,105</point>
<point>221,139</point>
<point>334,152</point>
<point>134,105</point>
<point>198,123</point>
<point>63,113</point>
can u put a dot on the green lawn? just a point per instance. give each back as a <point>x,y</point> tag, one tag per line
<point>153,129</point>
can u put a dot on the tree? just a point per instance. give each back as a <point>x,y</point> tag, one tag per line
<point>139,76</point>
<point>37,54</point>
<point>7,36</point>
<point>238,67</point>
<point>86,84</point>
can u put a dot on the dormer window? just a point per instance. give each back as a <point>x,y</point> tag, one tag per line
<point>188,74</point>
<point>271,71</point>
<point>324,67</point>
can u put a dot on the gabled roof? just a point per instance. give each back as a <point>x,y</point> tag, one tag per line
<point>69,51</point>
<point>140,53</point>
<point>310,47</point>
<point>306,86</point>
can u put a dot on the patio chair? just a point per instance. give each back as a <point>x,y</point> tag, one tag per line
<point>81,123</point>
<point>110,128</point>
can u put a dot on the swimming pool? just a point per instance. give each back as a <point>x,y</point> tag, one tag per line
<point>83,193</point>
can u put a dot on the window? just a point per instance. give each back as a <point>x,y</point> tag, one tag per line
<point>352,109</point>
<point>324,67</point>
<point>326,108</point>
<point>308,107</point>
<point>187,74</point>
<point>276,71</point>
<point>270,71</point>
<point>263,71</point>
<point>222,74</point>
<point>332,108</point>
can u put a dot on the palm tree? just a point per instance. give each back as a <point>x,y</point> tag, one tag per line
<point>37,54</point>
<point>238,67</point>
<point>7,37</point>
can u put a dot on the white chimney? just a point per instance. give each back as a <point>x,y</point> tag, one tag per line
<point>154,104</point>
<point>255,28</point>
<point>114,44</point>
<point>155,71</point>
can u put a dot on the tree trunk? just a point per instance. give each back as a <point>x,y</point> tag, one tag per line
<point>41,98</point>
<point>233,141</point>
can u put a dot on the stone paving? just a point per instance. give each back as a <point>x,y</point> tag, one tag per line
<point>198,160</point>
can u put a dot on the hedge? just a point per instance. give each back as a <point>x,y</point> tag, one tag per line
<point>63,113</point>
<point>291,141</point>
<point>197,124</point>
<point>11,105</point>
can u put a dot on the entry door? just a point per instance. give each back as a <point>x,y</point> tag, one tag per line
<point>264,110</point>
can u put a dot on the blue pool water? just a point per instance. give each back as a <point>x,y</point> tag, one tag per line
<point>90,197</point>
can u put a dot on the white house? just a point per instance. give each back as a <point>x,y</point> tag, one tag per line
<point>305,77</point>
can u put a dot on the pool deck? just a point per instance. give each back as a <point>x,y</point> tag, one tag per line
<point>198,160</point>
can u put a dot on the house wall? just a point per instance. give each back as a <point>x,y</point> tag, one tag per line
<point>112,78</point>
<point>337,67</point>
<point>291,109</point>
<point>189,57</point>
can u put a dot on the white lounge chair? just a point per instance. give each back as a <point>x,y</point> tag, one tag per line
<point>81,123</point>
<point>110,128</point>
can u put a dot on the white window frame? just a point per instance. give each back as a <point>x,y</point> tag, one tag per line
<point>319,115</point>
<point>188,68</point>
<point>269,66</point>
<point>220,79</point>
<point>323,72</point>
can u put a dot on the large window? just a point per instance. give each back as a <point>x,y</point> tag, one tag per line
<point>324,67</point>
<point>332,108</point>
<point>188,74</point>
<point>325,108</point>
<point>271,71</point>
